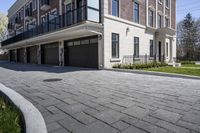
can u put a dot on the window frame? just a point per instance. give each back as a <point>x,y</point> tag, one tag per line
<point>166,22</point>
<point>151,18</point>
<point>136,47</point>
<point>167,3</point>
<point>151,51</point>
<point>136,19</point>
<point>159,23</point>
<point>34,7</point>
<point>118,8</point>
<point>116,43</point>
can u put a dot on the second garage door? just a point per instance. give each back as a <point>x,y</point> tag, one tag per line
<point>50,54</point>
<point>82,53</point>
<point>32,55</point>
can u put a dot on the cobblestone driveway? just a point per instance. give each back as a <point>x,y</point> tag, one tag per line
<point>90,101</point>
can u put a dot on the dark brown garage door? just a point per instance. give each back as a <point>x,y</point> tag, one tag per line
<point>32,54</point>
<point>13,55</point>
<point>82,53</point>
<point>50,54</point>
<point>20,55</point>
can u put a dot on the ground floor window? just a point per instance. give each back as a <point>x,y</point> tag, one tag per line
<point>115,45</point>
<point>151,48</point>
<point>167,49</point>
<point>136,47</point>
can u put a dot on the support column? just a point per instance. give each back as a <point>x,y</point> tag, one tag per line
<point>39,55</point>
<point>16,56</point>
<point>171,50</point>
<point>100,51</point>
<point>61,53</point>
<point>25,55</point>
<point>164,52</point>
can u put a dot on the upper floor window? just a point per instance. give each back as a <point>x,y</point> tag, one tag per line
<point>167,3</point>
<point>34,5</point>
<point>159,21</point>
<point>136,12</point>
<point>166,22</point>
<point>115,8</point>
<point>151,18</point>
<point>115,45</point>
<point>136,47</point>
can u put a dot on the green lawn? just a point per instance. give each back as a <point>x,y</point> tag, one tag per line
<point>185,69</point>
<point>10,121</point>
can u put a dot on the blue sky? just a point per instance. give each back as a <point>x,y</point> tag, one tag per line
<point>183,7</point>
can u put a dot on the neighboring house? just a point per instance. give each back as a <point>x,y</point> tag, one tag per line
<point>91,33</point>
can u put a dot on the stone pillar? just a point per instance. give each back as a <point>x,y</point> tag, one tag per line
<point>171,50</point>
<point>39,55</point>
<point>100,52</point>
<point>61,53</point>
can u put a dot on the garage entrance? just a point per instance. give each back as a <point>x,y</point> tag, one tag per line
<point>82,52</point>
<point>13,56</point>
<point>50,54</point>
<point>20,55</point>
<point>32,55</point>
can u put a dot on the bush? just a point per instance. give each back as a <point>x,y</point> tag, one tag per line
<point>187,62</point>
<point>139,66</point>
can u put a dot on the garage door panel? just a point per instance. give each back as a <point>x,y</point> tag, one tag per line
<point>13,55</point>
<point>50,54</point>
<point>85,55</point>
<point>32,55</point>
<point>20,55</point>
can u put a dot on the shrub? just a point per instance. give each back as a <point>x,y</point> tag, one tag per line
<point>139,66</point>
<point>187,62</point>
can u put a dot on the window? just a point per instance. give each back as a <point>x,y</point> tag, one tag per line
<point>136,12</point>
<point>166,22</point>
<point>115,45</point>
<point>167,49</point>
<point>34,5</point>
<point>151,48</point>
<point>136,47</point>
<point>159,21</point>
<point>115,8</point>
<point>151,18</point>
<point>167,3</point>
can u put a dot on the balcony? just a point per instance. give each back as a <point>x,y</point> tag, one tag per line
<point>45,5</point>
<point>28,14</point>
<point>69,19</point>
<point>17,21</point>
<point>10,27</point>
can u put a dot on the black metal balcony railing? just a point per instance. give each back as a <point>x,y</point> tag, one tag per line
<point>28,12</point>
<point>68,19</point>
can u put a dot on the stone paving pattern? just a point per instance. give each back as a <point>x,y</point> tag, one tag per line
<point>91,101</point>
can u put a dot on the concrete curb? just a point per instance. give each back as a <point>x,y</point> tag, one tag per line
<point>34,122</point>
<point>154,73</point>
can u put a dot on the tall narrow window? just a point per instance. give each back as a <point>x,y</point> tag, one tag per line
<point>167,3</point>
<point>136,12</point>
<point>34,5</point>
<point>115,45</point>
<point>115,8</point>
<point>159,21</point>
<point>136,47</point>
<point>151,18</point>
<point>167,49</point>
<point>166,22</point>
<point>151,48</point>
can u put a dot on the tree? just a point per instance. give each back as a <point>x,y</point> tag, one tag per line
<point>3,26</point>
<point>189,37</point>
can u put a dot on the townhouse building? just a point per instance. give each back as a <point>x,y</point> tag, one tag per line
<point>91,33</point>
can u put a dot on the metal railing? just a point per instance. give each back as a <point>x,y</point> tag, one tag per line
<point>60,21</point>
